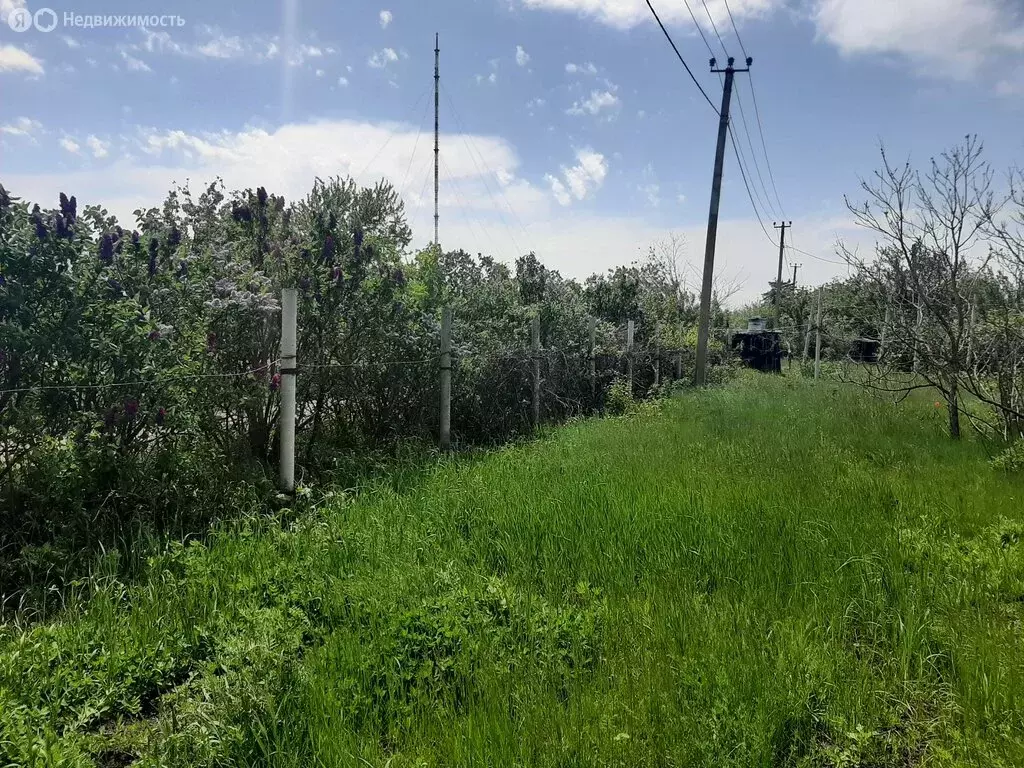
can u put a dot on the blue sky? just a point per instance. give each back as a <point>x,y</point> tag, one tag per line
<point>569,128</point>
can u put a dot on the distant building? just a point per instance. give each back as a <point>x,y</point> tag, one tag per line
<point>759,348</point>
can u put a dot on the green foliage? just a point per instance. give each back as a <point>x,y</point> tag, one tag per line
<point>768,573</point>
<point>1011,459</point>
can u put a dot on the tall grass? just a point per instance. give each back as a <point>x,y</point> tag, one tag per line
<point>774,573</point>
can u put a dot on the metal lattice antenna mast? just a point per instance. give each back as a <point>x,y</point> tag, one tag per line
<point>437,132</point>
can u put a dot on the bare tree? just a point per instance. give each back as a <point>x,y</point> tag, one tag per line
<point>933,229</point>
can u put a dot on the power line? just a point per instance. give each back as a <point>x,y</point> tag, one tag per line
<point>735,29</point>
<point>700,29</point>
<point>764,146</point>
<point>746,184</point>
<point>766,204</point>
<point>757,114</point>
<point>681,59</point>
<point>714,27</point>
<point>819,258</point>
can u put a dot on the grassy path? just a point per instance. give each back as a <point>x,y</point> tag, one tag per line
<point>771,574</point>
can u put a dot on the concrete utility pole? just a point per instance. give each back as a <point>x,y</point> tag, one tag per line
<point>437,132</point>
<point>704,327</point>
<point>782,255</point>
<point>795,268</point>
<point>817,341</point>
<point>289,367</point>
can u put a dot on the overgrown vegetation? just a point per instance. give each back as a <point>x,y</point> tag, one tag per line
<point>770,573</point>
<point>134,361</point>
<point>942,295</point>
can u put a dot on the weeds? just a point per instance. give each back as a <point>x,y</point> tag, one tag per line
<point>772,573</point>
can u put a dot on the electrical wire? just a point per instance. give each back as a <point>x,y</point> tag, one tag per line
<point>819,258</point>
<point>764,145</point>
<point>681,59</point>
<point>700,29</point>
<point>736,29</point>
<point>714,26</point>
<point>766,203</point>
<point>757,114</point>
<point>746,184</point>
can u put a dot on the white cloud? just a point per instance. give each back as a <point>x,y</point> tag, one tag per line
<point>587,68</point>
<point>343,81</point>
<point>6,6</point>
<point>222,48</point>
<point>956,39</point>
<point>286,161</point>
<point>134,64</point>
<point>597,102</point>
<point>491,78</point>
<point>522,57</point>
<point>380,59</point>
<point>98,147</point>
<point>320,73</point>
<point>581,180</point>
<point>386,17</point>
<point>14,59</point>
<point>218,45</point>
<point>952,38</point>
<point>70,42</point>
<point>625,14</point>
<point>21,126</point>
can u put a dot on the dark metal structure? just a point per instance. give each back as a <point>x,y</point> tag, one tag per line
<point>865,350</point>
<point>759,348</point>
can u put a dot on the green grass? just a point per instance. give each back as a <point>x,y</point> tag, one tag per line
<point>769,574</point>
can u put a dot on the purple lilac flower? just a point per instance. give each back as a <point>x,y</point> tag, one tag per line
<point>131,408</point>
<point>68,208</point>
<point>154,246</point>
<point>37,220</point>
<point>174,238</point>
<point>328,250</point>
<point>275,382</point>
<point>161,416</point>
<point>106,250</point>
<point>261,196</point>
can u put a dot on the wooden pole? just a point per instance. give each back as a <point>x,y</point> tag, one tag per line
<point>289,359</point>
<point>446,379</point>
<point>536,370</point>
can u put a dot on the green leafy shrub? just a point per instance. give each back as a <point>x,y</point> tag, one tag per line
<point>1010,460</point>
